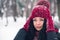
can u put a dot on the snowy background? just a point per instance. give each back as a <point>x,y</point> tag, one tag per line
<point>9,32</point>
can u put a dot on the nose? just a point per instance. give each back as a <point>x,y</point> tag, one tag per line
<point>38,23</point>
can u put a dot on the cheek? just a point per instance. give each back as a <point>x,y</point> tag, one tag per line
<point>41,23</point>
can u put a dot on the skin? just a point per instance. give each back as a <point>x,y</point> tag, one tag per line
<point>38,23</point>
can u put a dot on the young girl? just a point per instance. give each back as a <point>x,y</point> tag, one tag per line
<point>39,26</point>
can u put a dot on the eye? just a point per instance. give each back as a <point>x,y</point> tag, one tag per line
<point>34,20</point>
<point>41,19</point>
<point>38,19</point>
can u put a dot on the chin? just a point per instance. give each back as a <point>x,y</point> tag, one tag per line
<point>38,29</point>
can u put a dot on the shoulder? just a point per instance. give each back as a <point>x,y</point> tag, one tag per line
<point>22,31</point>
<point>52,35</point>
<point>20,35</point>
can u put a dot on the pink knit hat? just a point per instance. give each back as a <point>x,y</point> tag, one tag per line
<point>44,2</point>
<point>41,11</point>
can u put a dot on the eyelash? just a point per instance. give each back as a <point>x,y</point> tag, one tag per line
<point>34,20</point>
<point>40,20</point>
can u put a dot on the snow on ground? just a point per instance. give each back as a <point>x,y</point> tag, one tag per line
<point>59,30</point>
<point>9,32</point>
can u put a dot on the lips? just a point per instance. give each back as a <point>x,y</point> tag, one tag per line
<point>38,27</point>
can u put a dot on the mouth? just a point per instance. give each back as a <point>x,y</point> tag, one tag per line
<point>38,27</point>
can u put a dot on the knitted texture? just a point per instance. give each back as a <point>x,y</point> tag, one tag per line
<point>41,11</point>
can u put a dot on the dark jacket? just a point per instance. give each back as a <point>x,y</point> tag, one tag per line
<point>22,33</point>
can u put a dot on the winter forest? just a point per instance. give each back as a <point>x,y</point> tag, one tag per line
<point>14,13</point>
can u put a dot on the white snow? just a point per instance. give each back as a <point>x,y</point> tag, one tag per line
<point>8,32</point>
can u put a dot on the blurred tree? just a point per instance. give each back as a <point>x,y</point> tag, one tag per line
<point>1,6</point>
<point>58,8</point>
<point>21,6</point>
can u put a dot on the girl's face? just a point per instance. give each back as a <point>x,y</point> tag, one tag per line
<point>38,23</point>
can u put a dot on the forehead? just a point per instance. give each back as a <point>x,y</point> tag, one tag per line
<point>38,18</point>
